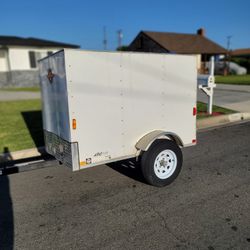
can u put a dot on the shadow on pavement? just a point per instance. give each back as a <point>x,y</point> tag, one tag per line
<point>129,167</point>
<point>6,155</point>
<point>10,167</point>
<point>33,120</point>
<point>6,215</point>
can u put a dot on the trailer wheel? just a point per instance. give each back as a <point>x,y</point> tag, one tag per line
<point>162,163</point>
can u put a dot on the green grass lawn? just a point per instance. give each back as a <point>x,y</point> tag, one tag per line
<point>20,125</point>
<point>202,107</point>
<point>233,79</point>
<point>29,89</point>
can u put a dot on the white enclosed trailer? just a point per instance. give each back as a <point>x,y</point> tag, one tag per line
<point>101,107</point>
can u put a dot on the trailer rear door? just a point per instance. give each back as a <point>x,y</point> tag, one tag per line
<point>54,94</point>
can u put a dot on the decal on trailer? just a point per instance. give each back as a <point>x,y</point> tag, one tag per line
<point>50,76</point>
<point>88,161</point>
<point>101,154</point>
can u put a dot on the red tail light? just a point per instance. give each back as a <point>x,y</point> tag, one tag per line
<point>194,111</point>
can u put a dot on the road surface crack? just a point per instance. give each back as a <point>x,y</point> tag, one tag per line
<point>166,227</point>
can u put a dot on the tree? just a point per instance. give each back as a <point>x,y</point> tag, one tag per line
<point>123,48</point>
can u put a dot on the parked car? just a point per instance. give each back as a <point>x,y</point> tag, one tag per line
<point>233,67</point>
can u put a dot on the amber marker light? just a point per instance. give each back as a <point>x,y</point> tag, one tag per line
<point>74,123</point>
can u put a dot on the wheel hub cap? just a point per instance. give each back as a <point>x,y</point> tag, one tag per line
<point>165,164</point>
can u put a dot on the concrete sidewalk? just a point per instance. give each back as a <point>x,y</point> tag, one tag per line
<point>18,95</point>
<point>236,97</point>
<point>234,87</point>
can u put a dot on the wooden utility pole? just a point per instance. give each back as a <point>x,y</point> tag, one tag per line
<point>105,42</point>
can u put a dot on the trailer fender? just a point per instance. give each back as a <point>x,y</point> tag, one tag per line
<point>145,142</point>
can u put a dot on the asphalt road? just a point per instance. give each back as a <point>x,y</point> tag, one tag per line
<point>109,207</point>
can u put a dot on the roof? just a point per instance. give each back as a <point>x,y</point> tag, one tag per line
<point>185,43</point>
<point>241,52</point>
<point>33,42</point>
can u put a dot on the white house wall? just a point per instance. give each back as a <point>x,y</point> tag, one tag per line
<point>15,66</point>
<point>3,61</point>
<point>19,57</point>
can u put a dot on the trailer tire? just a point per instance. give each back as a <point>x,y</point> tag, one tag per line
<point>161,163</point>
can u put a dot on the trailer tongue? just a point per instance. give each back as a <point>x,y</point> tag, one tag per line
<point>101,107</point>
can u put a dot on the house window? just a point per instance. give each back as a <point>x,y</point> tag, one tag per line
<point>32,56</point>
<point>2,55</point>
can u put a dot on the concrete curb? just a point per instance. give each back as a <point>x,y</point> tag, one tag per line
<point>201,124</point>
<point>22,154</point>
<point>221,120</point>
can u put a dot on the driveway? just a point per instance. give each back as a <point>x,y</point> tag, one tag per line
<point>18,95</point>
<point>236,97</point>
<point>109,207</point>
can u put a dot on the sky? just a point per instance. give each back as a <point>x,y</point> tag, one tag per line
<point>82,22</point>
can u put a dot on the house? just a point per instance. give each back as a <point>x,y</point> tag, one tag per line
<point>244,53</point>
<point>242,57</point>
<point>18,58</point>
<point>178,43</point>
